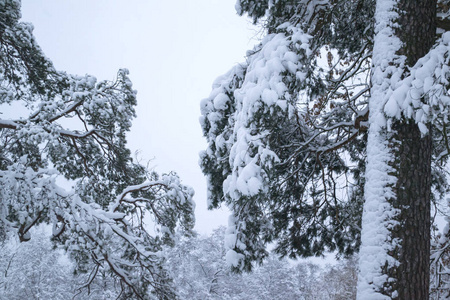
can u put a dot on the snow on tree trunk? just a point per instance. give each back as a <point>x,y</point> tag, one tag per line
<point>395,238</point>
<point>378,214</point>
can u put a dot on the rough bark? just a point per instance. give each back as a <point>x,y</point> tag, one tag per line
<point>413,165</point>
<point>413,200</point>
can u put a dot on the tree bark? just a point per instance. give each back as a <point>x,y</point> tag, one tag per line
<point>413,190</point>
<point>402,202</point>
<point>417,31</point>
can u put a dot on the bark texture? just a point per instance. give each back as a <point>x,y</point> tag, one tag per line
<point>413,190</point>
<point>413,165</point>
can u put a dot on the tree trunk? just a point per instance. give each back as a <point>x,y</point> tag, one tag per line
<point>395,249</point>
<point>417,31</point>
<point>412,190</point>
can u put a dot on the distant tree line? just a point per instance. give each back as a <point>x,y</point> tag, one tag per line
<point>36,270</point>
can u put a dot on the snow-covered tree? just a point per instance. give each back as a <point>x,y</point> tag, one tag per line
<point>199,270</point>
<point>333,135</point>
<point>59,130</point>
<point>440,267</point>
<point>35,270</point>
<point>339,281</point>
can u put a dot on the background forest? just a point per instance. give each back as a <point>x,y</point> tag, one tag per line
<point>35,270</point>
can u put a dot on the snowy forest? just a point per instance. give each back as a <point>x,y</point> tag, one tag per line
<point>329,138</point>
<point>198,267</point>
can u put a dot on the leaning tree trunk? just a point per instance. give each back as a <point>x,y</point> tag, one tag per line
<point>395,249</point>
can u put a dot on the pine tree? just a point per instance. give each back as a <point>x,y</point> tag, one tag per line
<point>341,108</point>
<point>398,200</point>
<point>57,130</point>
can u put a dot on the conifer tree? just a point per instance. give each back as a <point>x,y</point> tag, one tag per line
<point>61,128</point>
<point>341,108</point>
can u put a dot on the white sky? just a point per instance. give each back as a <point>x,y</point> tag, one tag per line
<point>174,51</point>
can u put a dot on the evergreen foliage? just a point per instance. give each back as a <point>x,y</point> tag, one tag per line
<point>61,130</point>
<point>287,129</point>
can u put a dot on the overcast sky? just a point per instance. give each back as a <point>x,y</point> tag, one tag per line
<point>174,51</point>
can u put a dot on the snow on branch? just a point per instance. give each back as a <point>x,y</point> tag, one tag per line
<point>72,133</point>
<point>274,133</point>
<point>423,94</point>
